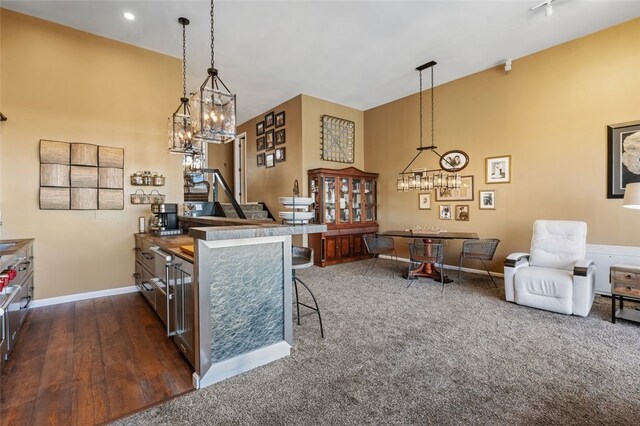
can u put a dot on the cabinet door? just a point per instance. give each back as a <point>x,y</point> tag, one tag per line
<point>314,192</point>
<point>345,246</point>
<point>329,200</point>
<point>331,248</point>
<point>357,245</point>
<point>356,200</point>
<point>369,200</point>
<point>345,201</point>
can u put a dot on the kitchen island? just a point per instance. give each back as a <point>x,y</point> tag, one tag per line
<point>241,292</point>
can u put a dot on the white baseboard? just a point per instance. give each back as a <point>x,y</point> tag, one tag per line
<point>82,296</point>
<point>470,270</point>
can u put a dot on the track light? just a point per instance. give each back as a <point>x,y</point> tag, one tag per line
<point>548,8</point>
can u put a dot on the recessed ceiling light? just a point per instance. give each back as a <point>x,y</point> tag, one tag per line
<point>129,16</point>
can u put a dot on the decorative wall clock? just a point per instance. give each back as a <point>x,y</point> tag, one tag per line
<point>337,139</point>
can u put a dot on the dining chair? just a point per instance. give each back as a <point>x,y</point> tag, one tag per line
<point>377,245</point>
<point>481,250</point>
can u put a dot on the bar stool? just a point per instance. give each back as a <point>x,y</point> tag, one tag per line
<point>302,257</point>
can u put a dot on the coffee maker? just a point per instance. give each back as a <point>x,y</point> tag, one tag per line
<point>164,220</point>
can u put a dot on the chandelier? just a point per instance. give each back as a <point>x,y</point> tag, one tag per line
<point>423,179</point>
<point>213,106</point>
<point>180,131</point>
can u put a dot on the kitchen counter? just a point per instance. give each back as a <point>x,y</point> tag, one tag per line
<point>242,298</point>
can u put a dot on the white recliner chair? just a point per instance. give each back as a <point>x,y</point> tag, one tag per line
<point>555,276</point>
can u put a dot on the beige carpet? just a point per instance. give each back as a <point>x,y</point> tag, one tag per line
<point>397,355</point>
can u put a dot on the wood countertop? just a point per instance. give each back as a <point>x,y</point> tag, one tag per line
<point>18,245</point>
<point>171,244</point>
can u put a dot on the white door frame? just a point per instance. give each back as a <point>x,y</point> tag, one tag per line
<point>239,168</point>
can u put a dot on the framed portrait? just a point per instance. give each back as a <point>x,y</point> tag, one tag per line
<point>280,119</point>
<point>623,154</point>
<point>260,128</point>
<point>281,155</point>
<point>260,143</point>
<point>424,201</point>
<point>462,212</point>
<point>280,136</point>
<point>454,161</point>
<point>464,193</point>
<point>260,159</point>
<point>445,212</point>
<point>269,160</point>
<point>268,120</point>
<point>269,141</point>
<point>487,200</point>
<point>498,169</point>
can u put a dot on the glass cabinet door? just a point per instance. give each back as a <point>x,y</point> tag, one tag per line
<point>315,194</point>
<point>356,200</point>
<point>369,201</point>
<point>329,200</point>
<point>344,200</point>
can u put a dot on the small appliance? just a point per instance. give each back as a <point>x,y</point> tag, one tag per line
<point>164,220</point>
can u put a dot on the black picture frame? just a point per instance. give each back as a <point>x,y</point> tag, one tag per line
<point>281,154</point>
<point>622,164</point>
<point>280,119</point>
<point>269,160</point>
<point>260,128</point>
<point>270,141</point>
<point>280,136</point>
<point>260,143</point>
<point>260,160</point>
<point>268,120</point>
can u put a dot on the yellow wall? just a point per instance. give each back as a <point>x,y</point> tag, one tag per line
<point>267,184</point>
<point>67,85</point>
<point>312,111</point>
<point>550,113</point>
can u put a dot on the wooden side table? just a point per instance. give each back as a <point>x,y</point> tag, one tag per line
<point>625,285</point>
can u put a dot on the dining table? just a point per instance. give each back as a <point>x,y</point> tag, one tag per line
<point>429,269</point>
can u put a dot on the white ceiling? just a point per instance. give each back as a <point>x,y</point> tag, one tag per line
<point>356,53</point>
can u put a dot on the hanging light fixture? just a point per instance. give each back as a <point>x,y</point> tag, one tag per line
<point>180,131</point>
<point>423,179</point>
<point>213,107</point>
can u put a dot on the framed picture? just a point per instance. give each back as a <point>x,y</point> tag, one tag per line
<point>464,193</point>
<point>462,212</point>
<point>268,160</point>
<point>281,155</point>
<point>260,143</point>
<point>487,200</point>
<point>268,120</point>
<point>280,119</point>
<point>623,157</point>
<point>498,169</point>
<point>424,201</point>
<point>269,141</point>
<point>280,137</point>
<point>260,128</point>
<point>445,212</point>
<point>260,159</point>
<point>454,161</point>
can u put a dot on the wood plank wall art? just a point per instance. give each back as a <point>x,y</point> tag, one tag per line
<point>81,176</point>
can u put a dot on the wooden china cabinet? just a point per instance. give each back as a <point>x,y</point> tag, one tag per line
<point>344,200</point>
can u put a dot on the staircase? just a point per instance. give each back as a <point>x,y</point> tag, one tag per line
<point>251,211</point>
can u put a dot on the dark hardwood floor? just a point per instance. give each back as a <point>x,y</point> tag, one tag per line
<point>89,362</point>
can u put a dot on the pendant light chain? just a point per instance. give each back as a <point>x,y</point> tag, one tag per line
<point>433,121</point>
<point>212,38</point>
<point>184,60</point>
<point>420,109</point>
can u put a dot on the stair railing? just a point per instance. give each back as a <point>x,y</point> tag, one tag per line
<point>218,179</point>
